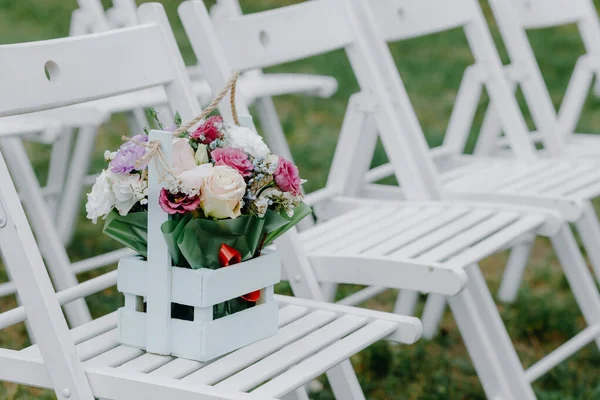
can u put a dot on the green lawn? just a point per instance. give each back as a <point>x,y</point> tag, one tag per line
<point>545,314</point>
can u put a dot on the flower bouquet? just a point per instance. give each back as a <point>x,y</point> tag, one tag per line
<point>226,194</point>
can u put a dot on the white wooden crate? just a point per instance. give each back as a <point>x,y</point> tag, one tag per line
<point>158,284</point>
<point>203,338</point>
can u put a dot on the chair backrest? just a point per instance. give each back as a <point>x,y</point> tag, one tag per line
<point>299,31</point>
<point>429,16</point>
<point>514,17</point>
<point>61,72</point>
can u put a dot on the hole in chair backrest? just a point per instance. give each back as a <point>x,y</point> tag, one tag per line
<point>51,71</point>
<point>400,13</point>
<point>264,38</point>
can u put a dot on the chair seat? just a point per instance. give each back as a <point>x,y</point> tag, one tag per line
<point>566,177</point>
<point>367,244</point>
<point>313,337</point>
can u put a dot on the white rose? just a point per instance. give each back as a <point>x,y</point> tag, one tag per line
<point>101,199</point>
<point>222,192</point>
<point>247,140</point>
<point>127,189</point>
<point>182,156</point>
<point>193,178</point>
<point>201,154</point>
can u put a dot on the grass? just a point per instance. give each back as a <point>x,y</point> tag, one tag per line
<point>545,313</point>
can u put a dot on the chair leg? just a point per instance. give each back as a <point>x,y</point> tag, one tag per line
<point>579,277</point>
<point>329,291</point>
<point>513,274</point>
<point>406,302</point>
<point>481,349</point>
<point>57,260</point>
<point>432,315</point>
<point>71,198</point>
<point>589,229</point>
<point>497,334</point>
<point>344,382</point>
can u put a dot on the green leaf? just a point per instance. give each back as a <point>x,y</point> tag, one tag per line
<point>130,230</point>
<point>279,228</point>
<point>177,119</point>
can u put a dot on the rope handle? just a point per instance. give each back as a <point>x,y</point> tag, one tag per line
<point>229,87</point>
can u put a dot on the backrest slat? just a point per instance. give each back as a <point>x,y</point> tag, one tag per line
<point>283,35</point>
<point>546,13</point>
<point>403,19</point>
<point>22,71</point>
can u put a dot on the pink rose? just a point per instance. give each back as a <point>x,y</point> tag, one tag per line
<point>208,131</point>
<point>286,177</point>
<point>177,203</point>
<point>233,158</point>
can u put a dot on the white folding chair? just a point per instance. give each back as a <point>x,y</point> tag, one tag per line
<point>563,184</point>
<point>88,362</point>
<point>383,232</point>
<point>514,18</point>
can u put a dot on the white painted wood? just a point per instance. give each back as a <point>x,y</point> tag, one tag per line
<point>279,36</point>
<point>136,44</point>
<point>201,340</point>
<point>35,291</point>
<point>246,356</point>
<point>315,365</point>
<point>547,13</point>
<point>158,268</point>
<point>282,359</point>
<point>404,19</point>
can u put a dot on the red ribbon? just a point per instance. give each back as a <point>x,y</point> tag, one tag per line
<point>229,256</point>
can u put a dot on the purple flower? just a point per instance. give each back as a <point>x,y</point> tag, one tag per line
<point>127,156</point>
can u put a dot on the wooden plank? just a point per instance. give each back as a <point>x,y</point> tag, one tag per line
<point>388,244</point>
<point>357,236</point>
<point>445,233</point>
<point>97,345</point>
<point>244,357</point>
<point>326,359</point>
<point>179,367</point>
<point>470,237</point>
<point>114,357</point>
<point>406,224</point>
<point>292,354</point>
<point>332,235</point>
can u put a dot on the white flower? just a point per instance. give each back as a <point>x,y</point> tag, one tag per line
<point>261,205</point>
<point>182,156</point>
<point>201,154</point>
<point>245,139</point>
<point>109,155</point>
<point>127,189</point>
<point>192,180</point>
<point>101,199</point>
<point>222,192</point>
